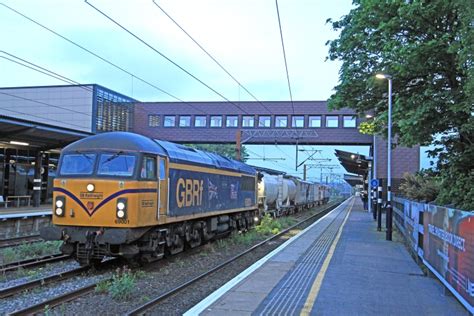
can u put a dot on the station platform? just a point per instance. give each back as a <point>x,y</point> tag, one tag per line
<point>340,265</point>
<point>25,211</point>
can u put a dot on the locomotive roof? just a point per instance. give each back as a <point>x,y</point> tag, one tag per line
<point>116,141</point>
<point>183,154</point>
<point>125,141</point>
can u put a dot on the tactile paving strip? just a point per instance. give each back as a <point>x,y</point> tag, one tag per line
<point>289,296</point>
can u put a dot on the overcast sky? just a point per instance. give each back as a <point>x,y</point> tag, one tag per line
<point>243,35</point>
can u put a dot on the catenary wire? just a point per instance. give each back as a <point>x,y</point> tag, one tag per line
<point>284,57</point>
<point>164,56</point>
<point>213,59</point>
<point>91,52</point>
<point>103,58</point>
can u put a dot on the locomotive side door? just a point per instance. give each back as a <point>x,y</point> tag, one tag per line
<point>162,187</point>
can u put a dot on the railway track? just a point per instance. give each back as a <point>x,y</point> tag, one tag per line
<point>15,241</point>
<point>67,297</point>
<point>157,300</point>
<point>29,263</point>
<point>9,291</point>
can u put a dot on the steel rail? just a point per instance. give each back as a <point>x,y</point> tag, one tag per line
<point>28,263</point>
<point>146,306</point>
<point>15,241</point>
<point>12,290</point>
<point>37,308</point>
<point>55,301</point>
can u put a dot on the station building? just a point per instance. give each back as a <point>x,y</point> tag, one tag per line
<point>35,122</point>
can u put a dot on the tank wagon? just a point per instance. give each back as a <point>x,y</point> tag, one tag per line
<point>281,195</point>
<point>123,194</point>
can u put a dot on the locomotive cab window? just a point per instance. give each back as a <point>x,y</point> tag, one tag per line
<point>162,169</point>
<point>116,164</point>
<point>78,164</point>
<point>148,170</point>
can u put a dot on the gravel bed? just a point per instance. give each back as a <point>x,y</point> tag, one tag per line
<point>168,273</point>
<point>37,295</point>
<point>20,276</point>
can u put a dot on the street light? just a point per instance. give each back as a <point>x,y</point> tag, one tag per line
<point>389,156</point>
<point>373,173</point>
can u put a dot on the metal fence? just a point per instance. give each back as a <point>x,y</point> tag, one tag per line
<point>444,240</point>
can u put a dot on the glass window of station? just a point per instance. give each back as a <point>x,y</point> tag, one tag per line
<point>184,121</point>
<point>114,111</point>
<point>332,121</point>
<point>297,121</point>
<point>154,120</point>
<point>169,121</point>
<point>264,121</point>
<point>349,121</point>
<point>248,121</point>
<point>216,121</point>
<point>232,121</point>
<point>200,121</point>
<point>315,121</point>
<point>17,172</point>
<point>281,121</point>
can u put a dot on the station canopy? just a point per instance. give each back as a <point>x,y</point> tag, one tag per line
<point>353,180</point>
<point>354,163</point>
<point>19,132</point>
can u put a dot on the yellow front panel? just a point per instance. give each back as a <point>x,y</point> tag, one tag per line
<point>98,208</point>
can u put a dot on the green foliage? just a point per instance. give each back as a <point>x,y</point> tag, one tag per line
<point>226,150</point>
<point>268,226</point>
<point>420,187</point>
<point>367,128</point>
<point>246,238</point>
<point>427,47</point>
<point>102,286</point>
<point>122,286</point>
<point>287,222</point>
<point>29,250</point>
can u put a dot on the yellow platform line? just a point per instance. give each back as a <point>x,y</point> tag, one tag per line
<point>313,293</point>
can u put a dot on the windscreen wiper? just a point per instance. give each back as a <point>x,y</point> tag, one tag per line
<point>114,156</point>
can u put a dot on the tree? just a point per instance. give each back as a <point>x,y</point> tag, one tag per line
<point>226,150</point>
<point>427,47</point>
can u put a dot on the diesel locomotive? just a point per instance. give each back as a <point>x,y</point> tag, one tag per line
<point>127,195</point>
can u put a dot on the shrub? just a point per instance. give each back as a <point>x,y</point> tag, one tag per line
<point>268,226</point>
<point>122,285</point>
<point>420,187</point>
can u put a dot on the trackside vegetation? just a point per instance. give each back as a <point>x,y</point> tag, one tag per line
<point>427,47</point>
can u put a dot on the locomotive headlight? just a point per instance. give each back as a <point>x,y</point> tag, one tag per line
<point>121,210</point>
<point>90,187</point>
<point>255,219</point>
<point>60,204</point>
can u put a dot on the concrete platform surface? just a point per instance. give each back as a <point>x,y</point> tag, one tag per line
<point>328,271</point>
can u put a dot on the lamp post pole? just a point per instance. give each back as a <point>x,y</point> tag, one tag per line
<point>388,221</point>
<point>389,163</point>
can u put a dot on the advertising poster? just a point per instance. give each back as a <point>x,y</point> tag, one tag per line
<point>449,248</point>
<point>412,211</point>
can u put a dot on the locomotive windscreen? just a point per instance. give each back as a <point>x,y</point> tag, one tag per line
<point>78,164</point>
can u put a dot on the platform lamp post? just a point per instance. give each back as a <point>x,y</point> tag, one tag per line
<point>389,157</point>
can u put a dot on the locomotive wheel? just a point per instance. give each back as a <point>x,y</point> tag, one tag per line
<point>177,245</point>
<point>195,237</point>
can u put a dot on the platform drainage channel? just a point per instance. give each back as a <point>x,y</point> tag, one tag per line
<point>289,296</point>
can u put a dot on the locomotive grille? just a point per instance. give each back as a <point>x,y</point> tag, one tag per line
<point>96,252</point>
